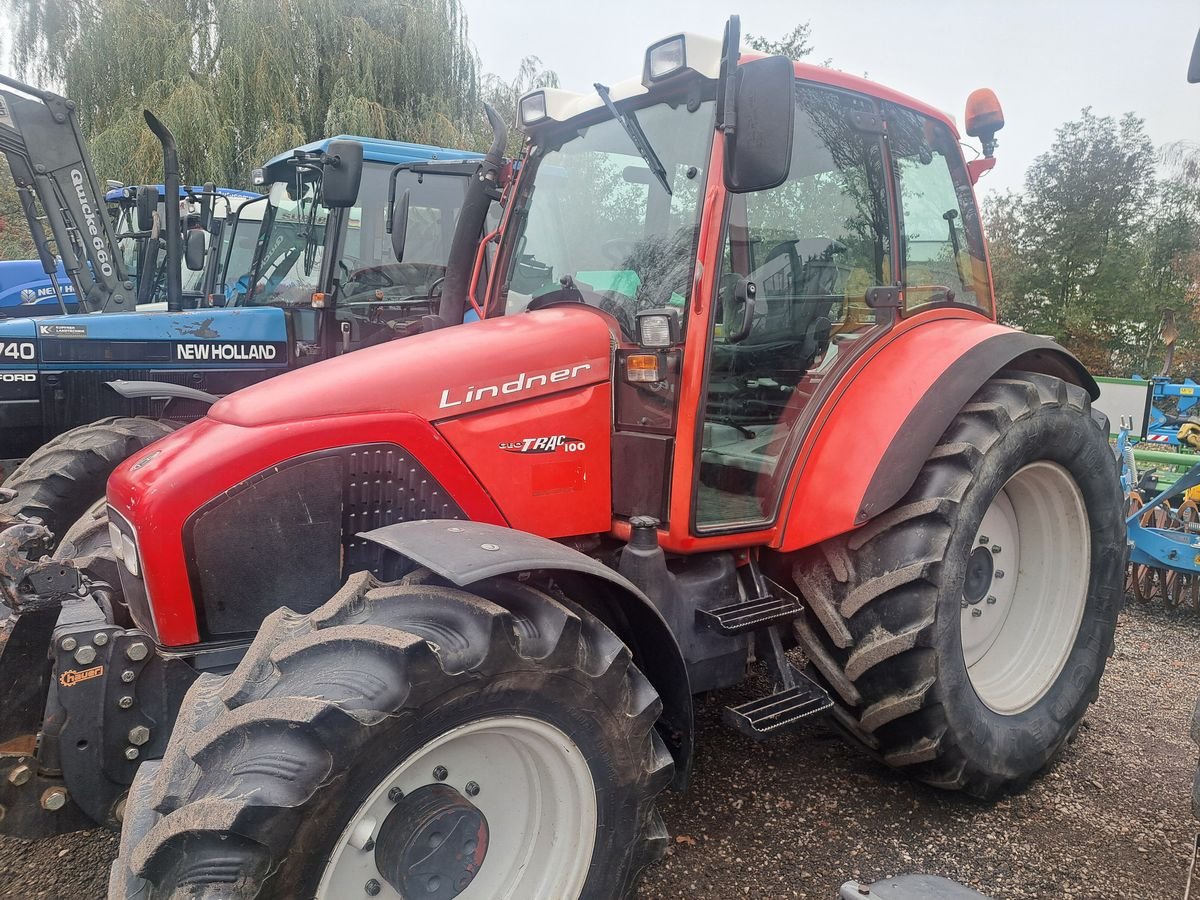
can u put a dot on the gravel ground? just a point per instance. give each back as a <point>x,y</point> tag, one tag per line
<point>796,817</point>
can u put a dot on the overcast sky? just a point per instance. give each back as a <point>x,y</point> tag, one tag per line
<point>1045,60</point>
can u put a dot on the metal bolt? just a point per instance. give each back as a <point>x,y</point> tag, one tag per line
<point>137,651</point>
<point>138,735</point>
<point>125,702</point>
<point>85,655</point>
<point>995,548</point>
<point>964,604</point>
<point>372,887</point>
<point>999,573</point>
<point>20,775</point>
<point>131,752</point>
<point>454,530</point>
<point>440,773</point>
<point>983,539</point>
<point>991,598</point>
<point>128,675</point>
<point>100,638</point>
<point>369,845</point>
<point>976,613</point>
<point>54,798</point>
<point>68,644</point>
<point>489,546</point>
<point>472,789</point>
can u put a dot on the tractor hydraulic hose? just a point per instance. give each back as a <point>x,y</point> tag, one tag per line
<point>174,236</point>
<point>465,244</point>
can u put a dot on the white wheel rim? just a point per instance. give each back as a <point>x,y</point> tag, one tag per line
<point>1018,633</point>
<point>535,789</point>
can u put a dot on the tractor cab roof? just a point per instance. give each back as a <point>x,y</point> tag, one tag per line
<point>126,193</point>
<point>689,56</point>
<point>374,150</point>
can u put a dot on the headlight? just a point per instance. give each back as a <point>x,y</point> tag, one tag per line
<point>533,108</point>
<point>129,555</point>
<point>658,328</point>
<point>115,538</point>
<point>665,58</point>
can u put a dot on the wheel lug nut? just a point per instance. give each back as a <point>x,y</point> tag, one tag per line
<point>440,773</point>
<point>991,598</point>
<point>976,613</point>
<point>395,794</point>
<point>472,788</point>
<point>995,548</point>
<point>372,887</point>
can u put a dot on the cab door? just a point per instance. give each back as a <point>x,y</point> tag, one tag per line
<point>816,255</point>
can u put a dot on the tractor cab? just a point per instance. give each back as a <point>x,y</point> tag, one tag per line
<point>753,238</point>
<point>296,249</point>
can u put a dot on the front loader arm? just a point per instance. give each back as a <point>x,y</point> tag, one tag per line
<point>40,136</point>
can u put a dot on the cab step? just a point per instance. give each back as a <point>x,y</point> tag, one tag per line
<point>780,712</point>
<point>752,615</point>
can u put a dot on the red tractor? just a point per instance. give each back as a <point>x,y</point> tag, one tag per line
<point>737,389</point>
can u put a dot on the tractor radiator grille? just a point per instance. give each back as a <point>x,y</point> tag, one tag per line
<point>288,535</point>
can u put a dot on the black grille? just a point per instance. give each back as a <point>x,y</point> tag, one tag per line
<point>287,536</point>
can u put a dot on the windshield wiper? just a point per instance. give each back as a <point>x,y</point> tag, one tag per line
<point>634,129</point>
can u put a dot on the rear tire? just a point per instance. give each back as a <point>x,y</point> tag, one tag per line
<point>272,772</point>
<point>896,607</point>
<point>61,480</point>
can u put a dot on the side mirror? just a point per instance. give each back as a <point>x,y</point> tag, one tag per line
<point>984,118</point>
<point>147,206</point>
<point>207,198</point>
<point>398,225</point>
<point>1194,65</point>
<point>194,249</point>
<point>758,148</point>
<point>342,174</point>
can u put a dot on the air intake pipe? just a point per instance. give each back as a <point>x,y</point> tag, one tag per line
<point>174,235</point>
<point>465,245</point>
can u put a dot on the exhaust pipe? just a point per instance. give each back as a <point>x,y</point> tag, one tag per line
<point>465,243</point>
<point>171,202</point>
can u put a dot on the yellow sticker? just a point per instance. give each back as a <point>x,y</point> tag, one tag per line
<point>1186,392</point>
<point>72,677</point>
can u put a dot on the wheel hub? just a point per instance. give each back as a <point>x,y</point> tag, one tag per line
<point>432,843</point>
<point>979,575</point>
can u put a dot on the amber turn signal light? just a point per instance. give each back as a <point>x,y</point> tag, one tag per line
<point>641,367</point>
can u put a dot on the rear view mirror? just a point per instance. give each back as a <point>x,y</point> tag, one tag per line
<point>758,149</point>
<point>398,226</point>
<point>194,249</point>
<point>341,174</point>
<point>147,206</point>
<point>207,198</point>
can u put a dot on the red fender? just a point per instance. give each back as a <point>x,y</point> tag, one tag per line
<point>869,440</point>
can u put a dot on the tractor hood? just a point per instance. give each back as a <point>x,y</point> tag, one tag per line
<point>442,374</point>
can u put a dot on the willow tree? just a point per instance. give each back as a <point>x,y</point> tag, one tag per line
<point>238,81</point>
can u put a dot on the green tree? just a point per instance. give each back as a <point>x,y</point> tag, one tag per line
<point>240,80</point>
<point>503,95</point>
<point>1069,253</point>
<point>794,45</point>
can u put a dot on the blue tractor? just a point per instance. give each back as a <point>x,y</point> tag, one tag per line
<point>306,271</point>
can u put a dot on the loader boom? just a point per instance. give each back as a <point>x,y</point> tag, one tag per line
<point>40,136</point>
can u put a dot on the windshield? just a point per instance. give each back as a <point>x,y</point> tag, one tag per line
<point>597,216</point>
<point>290,243</point>
<point>133,248</point>
<point>370,273</point>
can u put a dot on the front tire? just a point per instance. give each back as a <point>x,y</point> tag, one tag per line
<point>968,662</point>
<point>515,720</point>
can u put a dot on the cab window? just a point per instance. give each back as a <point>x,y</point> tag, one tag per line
<point>942,243</point>
<point>810,251</point>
